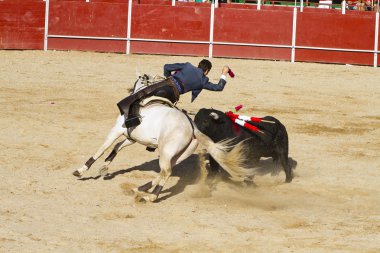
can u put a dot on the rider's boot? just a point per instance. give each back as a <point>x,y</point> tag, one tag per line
<point>132,121</point>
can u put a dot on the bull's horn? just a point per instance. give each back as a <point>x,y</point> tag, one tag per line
<point>214,115</point>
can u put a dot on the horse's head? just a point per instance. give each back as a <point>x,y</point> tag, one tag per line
<point>143,80</point>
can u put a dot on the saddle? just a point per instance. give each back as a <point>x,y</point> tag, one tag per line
<point>165,89</point>
<point>149,101</point>
<point>156,100</point>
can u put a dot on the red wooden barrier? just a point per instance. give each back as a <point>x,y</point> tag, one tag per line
<point>273,27</point>
<point>22,24</point>
<point>168,23</point>
<point>22,27</point>
<point>355,30</point>
<point>88,19</point>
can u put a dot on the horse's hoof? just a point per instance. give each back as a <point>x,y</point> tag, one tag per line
<point>77,174</point>
<point>103,171</point>
<point>135,191</point>
<point>140,199</point>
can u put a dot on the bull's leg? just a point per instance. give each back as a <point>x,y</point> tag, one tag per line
<point>115,133</point>
<point>287,167</point>
<point>120,145</point>
<point>214,167</point>
<point>203,163</point>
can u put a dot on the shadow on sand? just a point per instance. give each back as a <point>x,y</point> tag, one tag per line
<point>188,172</point>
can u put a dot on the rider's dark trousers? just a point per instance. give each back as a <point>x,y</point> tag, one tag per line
<point>166,88</point>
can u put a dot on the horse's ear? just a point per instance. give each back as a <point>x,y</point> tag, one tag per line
<point>138,75</point>
<point>150,77</point>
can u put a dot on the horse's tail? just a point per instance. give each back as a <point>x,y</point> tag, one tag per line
<point>229,156</point>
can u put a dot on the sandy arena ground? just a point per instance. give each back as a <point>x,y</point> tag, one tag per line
<point>57,107</point>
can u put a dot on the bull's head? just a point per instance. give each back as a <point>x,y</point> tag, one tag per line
<point>210,122</point>
<point>214,115</point>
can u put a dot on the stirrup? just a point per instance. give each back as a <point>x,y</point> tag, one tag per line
<point>132,122</point>
<point>150,149</point>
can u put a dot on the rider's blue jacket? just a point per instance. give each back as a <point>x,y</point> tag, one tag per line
<point>192,78</point>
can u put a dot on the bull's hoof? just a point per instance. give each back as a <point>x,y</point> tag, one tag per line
<point>77,174</point>
<point>289,177</point>
<point>289,180</point>
<point>250,183</point>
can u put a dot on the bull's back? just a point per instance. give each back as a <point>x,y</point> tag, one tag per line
<point>270,142</point>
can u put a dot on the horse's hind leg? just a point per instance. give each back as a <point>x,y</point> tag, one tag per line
<point>178,159</point>
<point>167,161</point>
<point>120,145</point>
<point>115,133</point>
<point>159,182</point>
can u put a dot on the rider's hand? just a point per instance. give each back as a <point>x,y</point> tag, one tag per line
<point>225,70</point>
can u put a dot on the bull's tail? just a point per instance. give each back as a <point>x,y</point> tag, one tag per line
<point>230,157</point>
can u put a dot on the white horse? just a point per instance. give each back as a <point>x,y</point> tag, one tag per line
<point>175,135</point>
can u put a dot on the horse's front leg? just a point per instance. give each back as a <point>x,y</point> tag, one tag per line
<point>115,133</point>
<point>119,146</point>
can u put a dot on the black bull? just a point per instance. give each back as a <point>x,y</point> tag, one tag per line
<point>273,143</point>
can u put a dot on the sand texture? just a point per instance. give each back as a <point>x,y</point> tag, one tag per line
<point>57,108</point>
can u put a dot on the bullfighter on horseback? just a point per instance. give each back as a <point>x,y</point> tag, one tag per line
<point>172,132</point>
<point>180,78</point>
